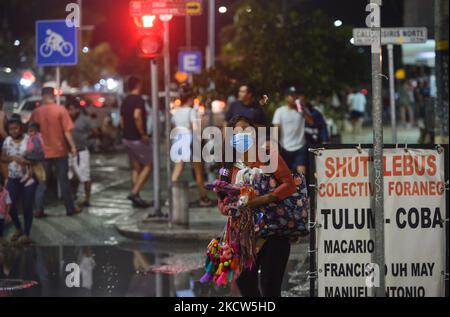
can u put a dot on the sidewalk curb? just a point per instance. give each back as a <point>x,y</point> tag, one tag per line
<point>204,225</point>
<point>168,235</point>
<point>136,226</point>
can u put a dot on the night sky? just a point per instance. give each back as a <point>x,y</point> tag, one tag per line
<point>113,24</point>
<point>351,12</point>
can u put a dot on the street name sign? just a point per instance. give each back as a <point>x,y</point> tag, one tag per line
<point>165,7</point>
<point>366,36</point>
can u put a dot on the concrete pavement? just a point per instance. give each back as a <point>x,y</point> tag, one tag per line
<point>404,135</point>
<point>95,225</point>
<point>111,219</point>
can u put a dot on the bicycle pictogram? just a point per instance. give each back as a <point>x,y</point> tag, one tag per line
<point>54,42</point>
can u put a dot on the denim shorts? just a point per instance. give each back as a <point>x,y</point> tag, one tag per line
<point>138,151</point>
<point>295,158</point>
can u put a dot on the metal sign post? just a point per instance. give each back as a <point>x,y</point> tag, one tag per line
<point>155,138</point>
<point>390,49</point>
<point>441,105</point>
<point>189,43</point>
<point>211,52</point>
<point>167,117</point>
<point>58,85</point>
<point>390,37</point>
<point>373,21</point>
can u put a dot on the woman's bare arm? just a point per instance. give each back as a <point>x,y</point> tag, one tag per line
<point>3,133</point>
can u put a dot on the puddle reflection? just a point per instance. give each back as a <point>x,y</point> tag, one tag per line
<point>116,271</point>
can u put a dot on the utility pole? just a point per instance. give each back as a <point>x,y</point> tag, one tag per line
<point>155,138</point>
<point>80,23</point>
<point>441,36</point>
<point>58,84</point>
<point>188,20</point>
<point>211,35</point>
<point>167,115</point>
<point>373,21</point>
<point>390,48</point>
<point>211,51</point>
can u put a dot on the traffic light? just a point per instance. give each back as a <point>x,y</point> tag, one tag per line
<point>150,36</point>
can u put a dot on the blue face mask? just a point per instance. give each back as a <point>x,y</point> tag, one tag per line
<point>242,142</point>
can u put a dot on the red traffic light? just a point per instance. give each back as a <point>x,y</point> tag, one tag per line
<point>146,21</point>
<point>150,46</point>
<point>150,36</point>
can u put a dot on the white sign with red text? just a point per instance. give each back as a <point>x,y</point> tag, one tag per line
<point>414,210</point>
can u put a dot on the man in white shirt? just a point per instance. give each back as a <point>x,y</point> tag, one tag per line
<point>357,102</point>
<point>291,119</point>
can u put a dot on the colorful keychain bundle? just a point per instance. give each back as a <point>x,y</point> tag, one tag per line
<point>236,251</point>
<point>222,263</point>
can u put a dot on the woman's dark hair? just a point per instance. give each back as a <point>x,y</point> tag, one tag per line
<point>2,180</point>
<point>15,119</point>
<point>225,171</point>
<point>235,119</point>
<point>186,93</point>
<point>133,82</point>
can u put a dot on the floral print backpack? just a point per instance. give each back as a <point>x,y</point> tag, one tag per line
<point>286,218</point>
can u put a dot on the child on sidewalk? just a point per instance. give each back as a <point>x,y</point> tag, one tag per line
<point>5,203</point>
<point>35,154</point>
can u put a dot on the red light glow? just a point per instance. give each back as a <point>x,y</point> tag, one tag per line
<point>148,20</point>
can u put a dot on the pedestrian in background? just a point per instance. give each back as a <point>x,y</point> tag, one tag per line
<point>406,109</point>
<point>79,164</point>
<point>56,129</point>
<point>5,205</point>
<point>13,153</point>
<point>291,119</point>
<point>357,104</point>
<point>136,140</point>
<point>316,133</point>
<point>247,107</point>
<point>183,121</point>
<point>3,135</point>
<point>35,154</point>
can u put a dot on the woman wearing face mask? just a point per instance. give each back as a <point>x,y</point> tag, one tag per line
<point>273,252</point>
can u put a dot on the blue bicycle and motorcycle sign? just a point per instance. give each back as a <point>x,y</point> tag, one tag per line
<point>56,43</point>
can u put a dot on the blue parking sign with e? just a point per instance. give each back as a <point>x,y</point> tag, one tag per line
<point>190,62</point>
<point>56,43</point>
